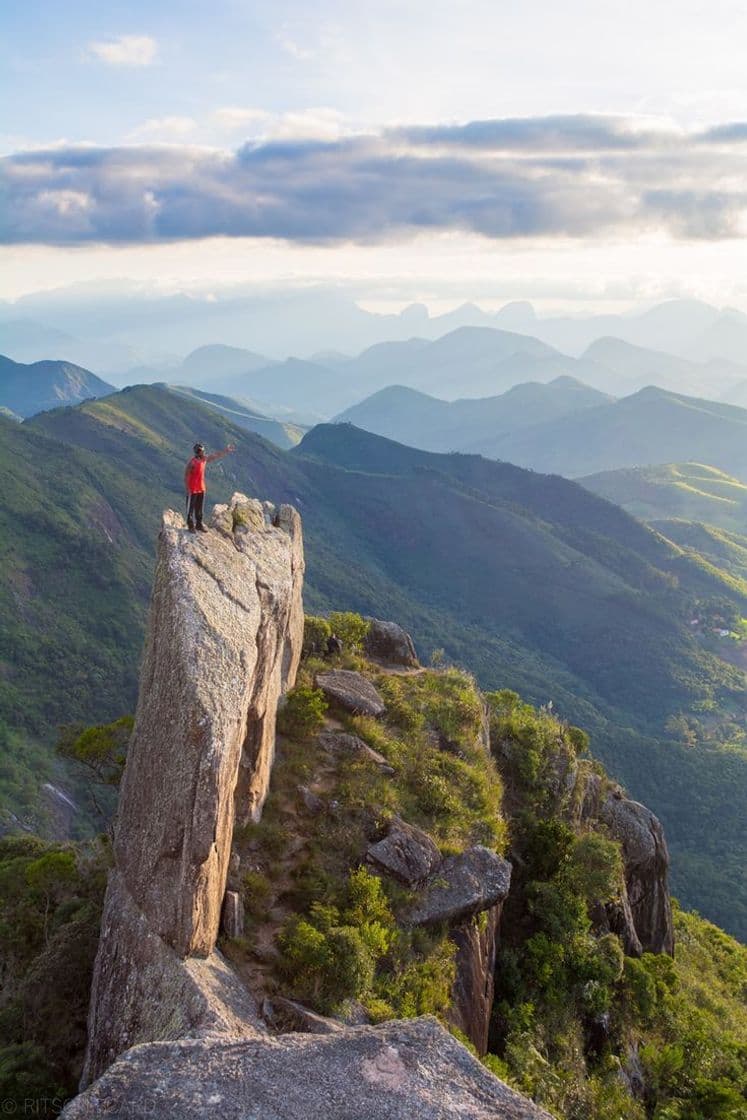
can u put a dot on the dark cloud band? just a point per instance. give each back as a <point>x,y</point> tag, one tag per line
<point>573,176</point>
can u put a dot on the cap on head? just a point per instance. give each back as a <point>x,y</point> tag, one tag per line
<point>198,448</point>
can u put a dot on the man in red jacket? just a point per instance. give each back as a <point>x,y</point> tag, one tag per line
<point>194,484</point>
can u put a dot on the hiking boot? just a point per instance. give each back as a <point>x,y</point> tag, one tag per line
<point>202,529</point>
<point>191,529</point>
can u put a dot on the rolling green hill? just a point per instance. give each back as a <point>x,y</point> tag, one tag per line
<point>531,581</point>
<point>690,491</point>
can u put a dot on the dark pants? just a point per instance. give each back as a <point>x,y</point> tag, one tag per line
<point>194,512</point>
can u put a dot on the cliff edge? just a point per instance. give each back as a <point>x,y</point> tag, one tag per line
<point>223,644</point>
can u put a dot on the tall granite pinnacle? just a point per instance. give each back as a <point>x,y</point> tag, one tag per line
<point>223,644</point>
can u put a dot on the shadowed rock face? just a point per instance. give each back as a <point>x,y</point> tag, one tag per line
<point>400,1071</point>
<point>224,641</point>
<point>646,860</point>
<point>388,642</point>
<point>474,987</point>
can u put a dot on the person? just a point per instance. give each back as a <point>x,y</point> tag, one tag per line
<point>194,484</point>
<point>334,645</point>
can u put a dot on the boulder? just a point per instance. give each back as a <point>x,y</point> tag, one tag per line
<point>398,1071</point>
<point>463,885</point>
<point>343,743</point>
<point>352,691</point>
<point>388,642</point>
<point>406,853</point>
<point>646,862</point>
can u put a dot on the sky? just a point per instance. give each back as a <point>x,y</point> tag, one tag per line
<point>581,155</point>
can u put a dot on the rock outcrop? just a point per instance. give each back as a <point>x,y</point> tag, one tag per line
<point>406,853</point>
<point>646,861</point>
<point>343,743</point>
<point>224,641</point>
<point>389,643</point>
<point>352,691</point>
<point>395,1072</point>
<point>463,885</point>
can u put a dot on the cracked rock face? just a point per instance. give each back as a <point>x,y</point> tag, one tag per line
<point>224,641</point>
<point>400,1071</point>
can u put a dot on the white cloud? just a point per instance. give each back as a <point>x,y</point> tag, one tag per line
<point>125,50</point>
<point>163,128</point>
<point>235,117</point>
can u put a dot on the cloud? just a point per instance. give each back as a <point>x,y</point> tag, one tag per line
<point>159,128</point>
<point>580,177</point>
<point>125,50</point>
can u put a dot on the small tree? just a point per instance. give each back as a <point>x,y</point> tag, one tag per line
<point>99,751</point>
<point>350,627</point>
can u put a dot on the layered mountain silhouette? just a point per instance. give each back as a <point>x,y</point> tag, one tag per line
<point>424,421</point>
<point>27,389</point>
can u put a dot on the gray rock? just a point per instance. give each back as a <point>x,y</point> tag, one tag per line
<point>646,861</point>
<point>232,918</point>
<point>342,743</point>
<point>144,992</point>
<point>313,802</point>
<point>224,639</point>
<point>400,1071</point>
<point>463,885</point>
<point>406,853</point>
<point>352,691</point>
<point>388,642</point>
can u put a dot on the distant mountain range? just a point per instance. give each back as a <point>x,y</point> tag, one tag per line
<point>114,329</point>
<point>28,389</point>
<point>469,362</point>
<point>423,421</point>
<point>650,427</point>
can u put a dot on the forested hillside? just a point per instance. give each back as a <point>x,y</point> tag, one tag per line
<point>530,581</point>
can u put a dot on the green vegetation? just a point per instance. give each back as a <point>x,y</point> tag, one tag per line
<point>302,714</point>
<point>571,1010</point>
<point>676,491</point>
<point>50,909</point>
<point>335,923</point>
<point>529,580</point>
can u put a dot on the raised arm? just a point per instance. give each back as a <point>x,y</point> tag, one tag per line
<point>219,454</point>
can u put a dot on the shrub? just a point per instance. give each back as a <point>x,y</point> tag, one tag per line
<point>350,627</point>
<point>316,630</point>
<point>302,714</point>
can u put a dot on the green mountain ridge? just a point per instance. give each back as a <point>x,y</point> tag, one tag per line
<point>530,581</point>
